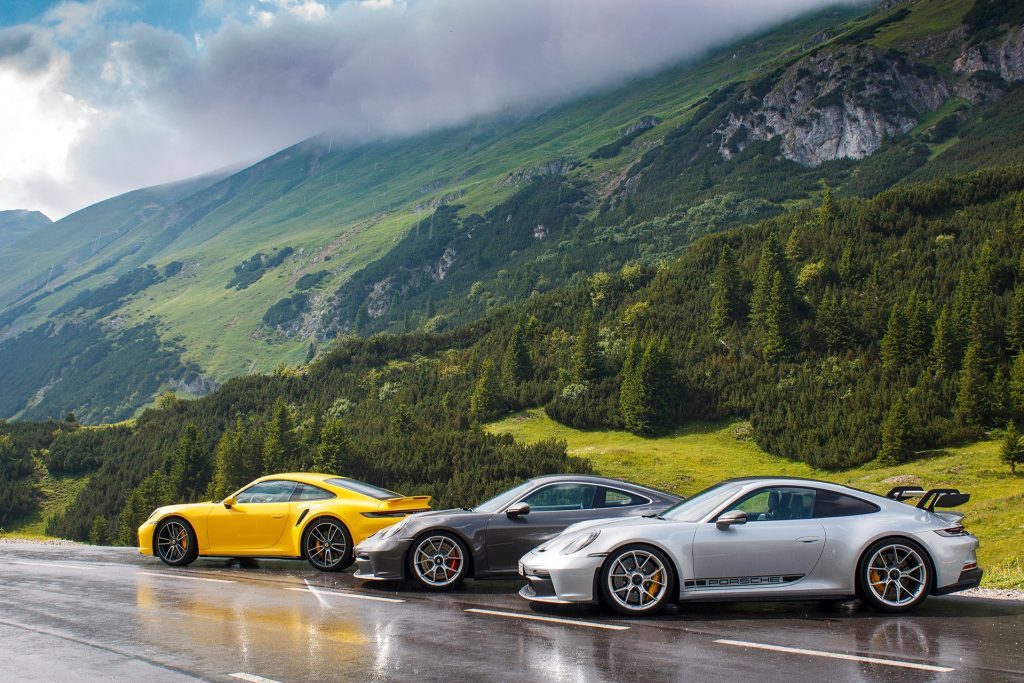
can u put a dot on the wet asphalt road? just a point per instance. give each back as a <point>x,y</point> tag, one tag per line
<point>83,613</point>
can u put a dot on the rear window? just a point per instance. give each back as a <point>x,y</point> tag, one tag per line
<point>832,504</point>
<point>364,488</point>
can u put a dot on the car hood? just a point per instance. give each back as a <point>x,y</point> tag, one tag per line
<point>182,508</point>
<point>613,523</point>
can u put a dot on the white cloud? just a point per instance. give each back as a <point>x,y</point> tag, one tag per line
<point>126,105</point>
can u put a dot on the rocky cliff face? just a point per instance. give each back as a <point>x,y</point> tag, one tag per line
<point>1004,57</point>
<point>835,104</point>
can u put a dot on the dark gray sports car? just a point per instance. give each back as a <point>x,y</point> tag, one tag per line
<point>439,549</point>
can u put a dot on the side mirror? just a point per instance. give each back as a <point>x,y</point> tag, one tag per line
<point>229,502</point>
<point>727,519</point>
<point>518,509</point>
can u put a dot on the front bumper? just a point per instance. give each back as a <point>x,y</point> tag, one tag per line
<point>146,538</point>
<point>969,578</point>
<point>559,579</point>
<point>380,560</point>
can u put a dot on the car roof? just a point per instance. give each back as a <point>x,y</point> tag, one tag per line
<point>797,481</point>
<point>604,481</point>
<point>304,477</point>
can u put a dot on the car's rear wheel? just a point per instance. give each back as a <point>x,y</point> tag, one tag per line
<point>438,561</point>
<point>894,575</point>
<point>176,543</point>
<point>637,580</point>
<point>327,545</point>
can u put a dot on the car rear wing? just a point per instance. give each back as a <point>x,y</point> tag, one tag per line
<point>407,504</point>
<point>931,499</point>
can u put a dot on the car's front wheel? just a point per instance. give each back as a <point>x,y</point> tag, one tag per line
<point>438,561</point>
<point>637,580</point>
<point>327,545</point>
<point>176,542</point>
<point>894,575</point>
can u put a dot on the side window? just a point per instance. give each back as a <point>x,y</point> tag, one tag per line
<point>275,491</point>
<point>832,504</point>
<point>777,504</point>
<point>616,498</point>
<point>309,492</point>
<point>562,497</point>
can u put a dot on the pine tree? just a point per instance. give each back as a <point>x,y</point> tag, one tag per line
<point>894,343</point>
<point>516,366</point>
<point>334,453</point>
<point>918,340</point>
<point>486,400</point>
<point>400,423</point>
<point>648,388</point>
<point>772,261</point>
<point>1018,215</point>
<point>794,245</point>
<point>191,466</point>
<point>725,300</point>
<point>280,445</point>
<point>229,463</point>
<point>945,355</point>
<point>1016,389</point>
<point>153,492</point>
<point>847,266</point>
<point>896,435</point>
<point>99,532</point>
<point>973,397</point>
<point>827,211</point>
<point>1015,322</point>
<point>1012,450</point>
<point>833,321</point>
<point>779,332</point>
<point>586,355</point>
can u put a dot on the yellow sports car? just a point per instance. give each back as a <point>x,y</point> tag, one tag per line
<point>318,517</point>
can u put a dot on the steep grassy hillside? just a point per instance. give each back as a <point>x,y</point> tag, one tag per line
<point>268,264</point>
<point>704,453</point>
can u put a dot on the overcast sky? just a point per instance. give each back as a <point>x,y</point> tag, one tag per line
<point>105,96</point>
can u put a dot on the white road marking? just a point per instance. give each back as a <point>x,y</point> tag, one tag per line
<point>252,678</point>
<point>553,620</point>
<point>837,655</point>
<point>323,603</point>
<point>50,564</point>
<point>168,575</point>
<point>357,596</point>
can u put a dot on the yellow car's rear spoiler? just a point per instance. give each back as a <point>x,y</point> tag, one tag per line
<point>408,504</point>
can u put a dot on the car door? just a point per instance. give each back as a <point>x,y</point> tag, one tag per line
<point>552,508</point>
<point>780,542</point>
<point>256,520</point>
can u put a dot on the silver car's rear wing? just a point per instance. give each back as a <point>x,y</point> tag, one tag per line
<point>931,499</point>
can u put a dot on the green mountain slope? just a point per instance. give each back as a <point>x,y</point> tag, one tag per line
<point>239,272</point>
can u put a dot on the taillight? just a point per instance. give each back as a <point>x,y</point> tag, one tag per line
<point>957,530</point>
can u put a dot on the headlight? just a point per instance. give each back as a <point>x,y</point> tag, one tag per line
<point>581,542</point>
<point>394,529</point>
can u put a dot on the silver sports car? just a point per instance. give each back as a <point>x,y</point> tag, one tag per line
<point>764,539</point>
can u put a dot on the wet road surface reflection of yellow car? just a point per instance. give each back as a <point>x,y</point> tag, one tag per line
<point>317,517</point>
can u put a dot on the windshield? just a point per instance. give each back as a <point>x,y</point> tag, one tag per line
<point>698,507</point>
<point>364,488</point>
<point>502,499</point>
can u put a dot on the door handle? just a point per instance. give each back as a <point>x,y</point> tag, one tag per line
<point>808,539</point>
<point>278,516</point>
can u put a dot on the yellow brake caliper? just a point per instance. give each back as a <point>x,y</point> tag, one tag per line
<point>655,581</point>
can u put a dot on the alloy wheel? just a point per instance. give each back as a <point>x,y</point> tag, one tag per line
<point>438,561</point>
<point>637,580</point>
<point>172,541</point>
<point>897,575</point>
<point>326,545</point>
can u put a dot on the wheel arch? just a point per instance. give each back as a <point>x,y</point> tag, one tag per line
<point>902,537</point>
<point>470,555</point>
<point>677,577</point>
<point>175,516</point>
<point>310,519</point>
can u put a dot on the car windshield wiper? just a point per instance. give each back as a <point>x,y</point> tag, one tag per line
<point>467,509</point>
<point>653,515</point>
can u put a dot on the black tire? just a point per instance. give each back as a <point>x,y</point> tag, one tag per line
<point>176,543</point>
<point>438,561</point>
<point>327,545</point>
<point>629,575</point>
<point>894,575</point>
